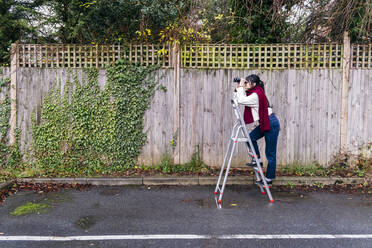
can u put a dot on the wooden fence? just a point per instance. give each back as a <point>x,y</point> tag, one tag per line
<point>306,102</point>
<point>320,94</point>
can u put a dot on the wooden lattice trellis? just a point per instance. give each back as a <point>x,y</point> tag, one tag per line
<point>361,56</point>
<point>276,56</point>
<point>244,56</point>
<point>97,56</point>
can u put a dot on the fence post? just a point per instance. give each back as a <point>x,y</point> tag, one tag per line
<point>345,92</point>
<point>13,93</point>
<point>176,105</point>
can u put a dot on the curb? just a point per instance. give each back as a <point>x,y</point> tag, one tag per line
<point>232,180</point>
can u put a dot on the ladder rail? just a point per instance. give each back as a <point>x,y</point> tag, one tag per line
<point>246,134</point>
<point>229,164</point>
<point>222,169</point>
<point>224,160</point>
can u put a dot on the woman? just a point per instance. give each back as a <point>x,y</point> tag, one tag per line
<point>251,93</point>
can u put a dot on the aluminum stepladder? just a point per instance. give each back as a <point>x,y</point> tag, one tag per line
<point>240,128</point>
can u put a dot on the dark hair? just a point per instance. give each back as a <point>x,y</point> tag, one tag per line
<point>253,78</point>
<point>256,79</point>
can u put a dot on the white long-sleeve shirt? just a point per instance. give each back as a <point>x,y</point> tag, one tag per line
<point>250,101</point>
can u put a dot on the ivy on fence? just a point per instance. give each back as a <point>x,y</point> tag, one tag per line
<point>4,118</point>
<point>10,156</point>
<point>85,130</point>
<point>4,107</point>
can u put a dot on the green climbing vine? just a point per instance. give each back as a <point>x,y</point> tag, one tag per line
<point>4,118</point>
<point>10,156</point>
<point>84,130</point>
<point>4,108</point>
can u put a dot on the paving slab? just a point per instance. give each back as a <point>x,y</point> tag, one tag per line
<point>170,181</point>
<point>115,181</point>
<point>317,180</point>
<point>54,180</point>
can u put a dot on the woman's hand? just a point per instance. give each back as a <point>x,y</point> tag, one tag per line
<point>241,84</point>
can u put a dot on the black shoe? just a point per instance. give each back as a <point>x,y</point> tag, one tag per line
<point>253,164</point>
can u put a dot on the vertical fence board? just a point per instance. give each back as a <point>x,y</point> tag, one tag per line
<point>323,117</point>
<point>369,103</point>
<point>185,128</point>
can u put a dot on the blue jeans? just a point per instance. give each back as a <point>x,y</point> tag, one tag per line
<point>271,140</point>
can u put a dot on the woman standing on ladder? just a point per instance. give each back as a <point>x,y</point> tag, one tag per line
<point>251,93</point>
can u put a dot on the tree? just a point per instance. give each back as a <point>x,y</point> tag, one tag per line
<point>260,21</point>
<point>16,18</point>
<point>238,21</point>
<point>108,21</point>
<point>75,21</point>
<point>329,19</point>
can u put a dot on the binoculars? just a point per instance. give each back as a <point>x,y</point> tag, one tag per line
<point>236,80</point>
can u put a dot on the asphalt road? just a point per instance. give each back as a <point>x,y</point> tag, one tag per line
<point>134,212</point>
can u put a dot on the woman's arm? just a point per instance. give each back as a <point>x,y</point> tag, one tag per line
<point>250,101</point>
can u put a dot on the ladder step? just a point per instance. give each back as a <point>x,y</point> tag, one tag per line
<point>240,139</point>
<point>257,170</point>
<point>262,184</point>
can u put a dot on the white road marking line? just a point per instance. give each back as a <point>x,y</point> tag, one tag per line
<point>185,236</point>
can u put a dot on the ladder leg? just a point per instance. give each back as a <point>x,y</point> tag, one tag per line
<point>226,173</point>
<point>224,160</point>
<point>257,181</point>
<point>222,168</point>
<point>265,185</point>
<point>258,170</point>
